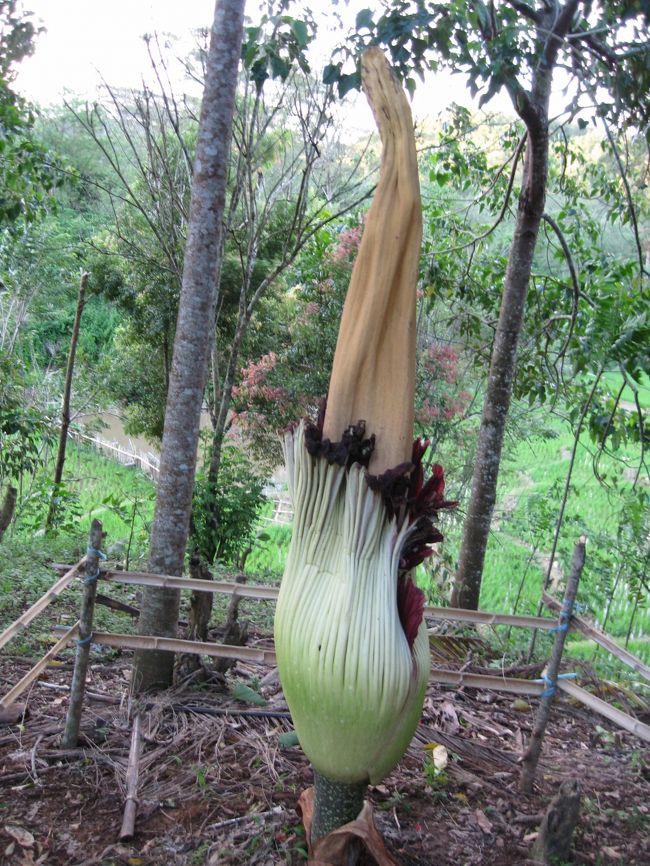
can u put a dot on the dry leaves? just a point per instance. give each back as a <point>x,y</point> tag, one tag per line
<point>332,849</point>
<point>23,837</point>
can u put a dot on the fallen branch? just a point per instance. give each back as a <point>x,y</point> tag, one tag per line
<point>92,696</point>
<point>114,604</point>
<point>232,822</point>
<point>132,771</point>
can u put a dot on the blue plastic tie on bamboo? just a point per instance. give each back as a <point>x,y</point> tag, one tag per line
<point>565,620</point>
<point>84,641</point>
<point>551,685</point>
<point>563,626</point>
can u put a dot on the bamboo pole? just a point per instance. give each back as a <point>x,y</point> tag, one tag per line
<point>132,770</point>
<point>623,720</point>
<point>270,593</point>
<point>78,685</point>
<point>176,645</point>
<point>40,666</point>
<point>39,606</point>
<point>602,639</point>
<point>532,753</point>
<point>458,679</point>
<point>65,408</point>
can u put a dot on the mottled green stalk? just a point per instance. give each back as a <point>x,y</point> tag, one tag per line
<point>335,804</point>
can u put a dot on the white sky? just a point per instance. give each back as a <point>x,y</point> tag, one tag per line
<point>87,40</point>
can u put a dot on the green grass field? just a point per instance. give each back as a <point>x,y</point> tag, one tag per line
<point>615,381</point>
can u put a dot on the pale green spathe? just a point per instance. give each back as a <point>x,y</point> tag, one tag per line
<point>354,687</point>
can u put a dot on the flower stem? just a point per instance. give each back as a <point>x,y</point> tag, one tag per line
<point>336,804</point>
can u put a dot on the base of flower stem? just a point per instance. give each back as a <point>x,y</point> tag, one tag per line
<point>336,804</point>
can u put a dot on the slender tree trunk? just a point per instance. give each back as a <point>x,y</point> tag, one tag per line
<point>219,418</point>
<point>194,335</point>
<point>533,108</point>
<point>502,373</point>
<point>65,409</point>
<point>7,509</point>
<point>225,401</point>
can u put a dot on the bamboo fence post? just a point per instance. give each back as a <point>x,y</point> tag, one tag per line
<point>77,688</point>
<point>531,756</point>
<point>132,771</point>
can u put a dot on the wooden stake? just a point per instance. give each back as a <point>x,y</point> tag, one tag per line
<point>553,843</point>
<point>77,688</point>
<point>531,756</point>
<point>65,408</point>
<point>131,804</point>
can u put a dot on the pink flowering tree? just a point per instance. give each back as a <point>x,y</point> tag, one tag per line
<point>279,384</point>
<point>443,401</point>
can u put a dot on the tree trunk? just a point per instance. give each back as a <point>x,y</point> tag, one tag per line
<point>553,843</point>
<point>533,108</point>
<point>235,633</point>
<point>199,619</point>
<point>502,372</point>
<point>7,509</point>
<point>219,418</point>
<point>194,335</point>
<point>65,409</point>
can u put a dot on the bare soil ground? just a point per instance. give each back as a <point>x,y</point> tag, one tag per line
<point>218,787</point>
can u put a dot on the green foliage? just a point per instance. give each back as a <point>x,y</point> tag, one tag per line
<point>27,171</point>
<point>24,431</point>
<point>133,508</point>
<point>289,379</point>
<point>497,46</point>
<point>224,519</point>
<point>268,557</point>
<point>275,45</point>
<point>35,505</point>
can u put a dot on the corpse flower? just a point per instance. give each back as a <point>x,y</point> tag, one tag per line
<point>351,642</point>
